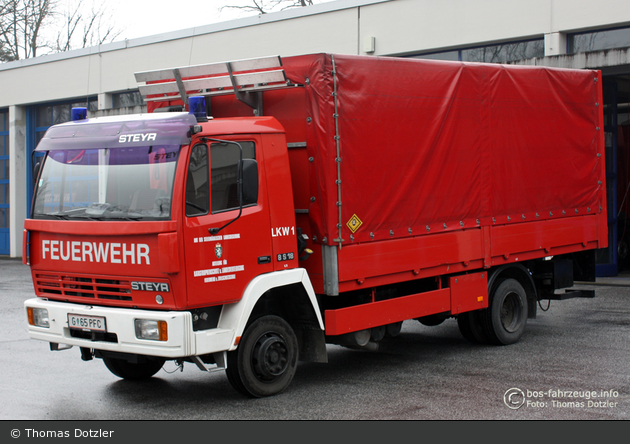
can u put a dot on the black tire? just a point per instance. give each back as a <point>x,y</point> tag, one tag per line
<point>432,320</point>
<point>393,330</point>
<point>623,249</point>
<point>132,371</point>
<point>266,359</point>
<point>470,327</point>
<point>506,316</point>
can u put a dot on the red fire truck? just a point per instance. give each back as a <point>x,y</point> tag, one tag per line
<point>264,208</point>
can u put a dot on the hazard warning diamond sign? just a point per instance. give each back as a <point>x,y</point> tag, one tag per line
<point>354,223</point>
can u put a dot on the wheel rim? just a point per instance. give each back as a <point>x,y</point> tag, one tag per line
<point>270,357</point>
<point>511,312</point>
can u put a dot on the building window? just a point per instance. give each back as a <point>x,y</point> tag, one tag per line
<point>502,53</point>
<point>49,115</point>
<point>123,100</point>
<point>599,40</point>
<point>453,56</point>
<point>507,52</point>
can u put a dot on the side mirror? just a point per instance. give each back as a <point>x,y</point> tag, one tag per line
<point>250,181</point>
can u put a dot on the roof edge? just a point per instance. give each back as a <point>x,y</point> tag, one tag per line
<point>289,14</point>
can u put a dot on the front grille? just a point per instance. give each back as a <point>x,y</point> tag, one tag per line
<point>81,286</point>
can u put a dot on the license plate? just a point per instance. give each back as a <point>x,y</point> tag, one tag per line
<point>91,323</point>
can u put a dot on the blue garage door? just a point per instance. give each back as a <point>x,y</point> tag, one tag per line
<point>5,247</point>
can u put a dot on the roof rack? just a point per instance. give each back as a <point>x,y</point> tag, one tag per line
<point>247,79</point>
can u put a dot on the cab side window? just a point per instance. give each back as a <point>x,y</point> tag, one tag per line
<point>197,183</point>
<point>224,159</point>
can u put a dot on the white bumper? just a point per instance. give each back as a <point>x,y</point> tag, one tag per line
<point>182,340</point>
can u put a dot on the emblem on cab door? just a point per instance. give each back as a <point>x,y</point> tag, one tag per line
<point>218,250</point>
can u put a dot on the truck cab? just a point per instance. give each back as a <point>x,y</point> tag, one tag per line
<point>148,230</point>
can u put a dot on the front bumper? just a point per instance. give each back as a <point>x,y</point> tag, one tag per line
<point>182,340</point>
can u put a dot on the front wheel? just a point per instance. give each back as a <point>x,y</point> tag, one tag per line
<point>505,318</point>
<point>133,371</point>
<point>470,326</point>
<point>266,359</point>
<point>432,320</point>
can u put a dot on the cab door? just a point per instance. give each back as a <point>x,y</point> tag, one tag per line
<point>219,265</point>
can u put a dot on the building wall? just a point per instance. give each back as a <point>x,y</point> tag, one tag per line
<point>411,26</point>
<point>399,27</point>
<point>394,27</point>
<point>110,68</point>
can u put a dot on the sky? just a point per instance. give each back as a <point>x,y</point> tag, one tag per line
<point>142,18</point>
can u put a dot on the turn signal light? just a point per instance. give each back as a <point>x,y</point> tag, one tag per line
<point>37,317</point>
<point>163,327</point>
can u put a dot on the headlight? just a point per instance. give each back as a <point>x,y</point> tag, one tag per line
<point>153,330</point>
<point>38,317</point>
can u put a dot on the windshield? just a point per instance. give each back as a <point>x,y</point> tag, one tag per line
<point>131,183</point>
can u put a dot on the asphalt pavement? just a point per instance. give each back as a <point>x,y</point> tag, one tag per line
<point>571,364</point>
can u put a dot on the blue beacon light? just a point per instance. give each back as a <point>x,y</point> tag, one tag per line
<point>79,114</point>
<point>197,107</point>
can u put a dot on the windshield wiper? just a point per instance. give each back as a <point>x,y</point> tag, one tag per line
<point>102,218</point>
<point>51,216</point>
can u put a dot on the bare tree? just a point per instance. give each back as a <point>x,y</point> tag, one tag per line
<point>21,23</point>
<point>265,6</point>
<point>81,28</point>
<point>6,9</point>
<point>29,28</point>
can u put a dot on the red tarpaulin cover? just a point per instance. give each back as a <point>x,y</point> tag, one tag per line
<point>431,143</point>
<point>428,145</point>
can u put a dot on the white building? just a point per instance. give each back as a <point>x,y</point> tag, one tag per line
<point>37,93</point>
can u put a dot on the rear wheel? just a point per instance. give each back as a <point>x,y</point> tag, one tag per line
<point>266,359</point>
<point>133,371</point>
<point>506,316</point>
